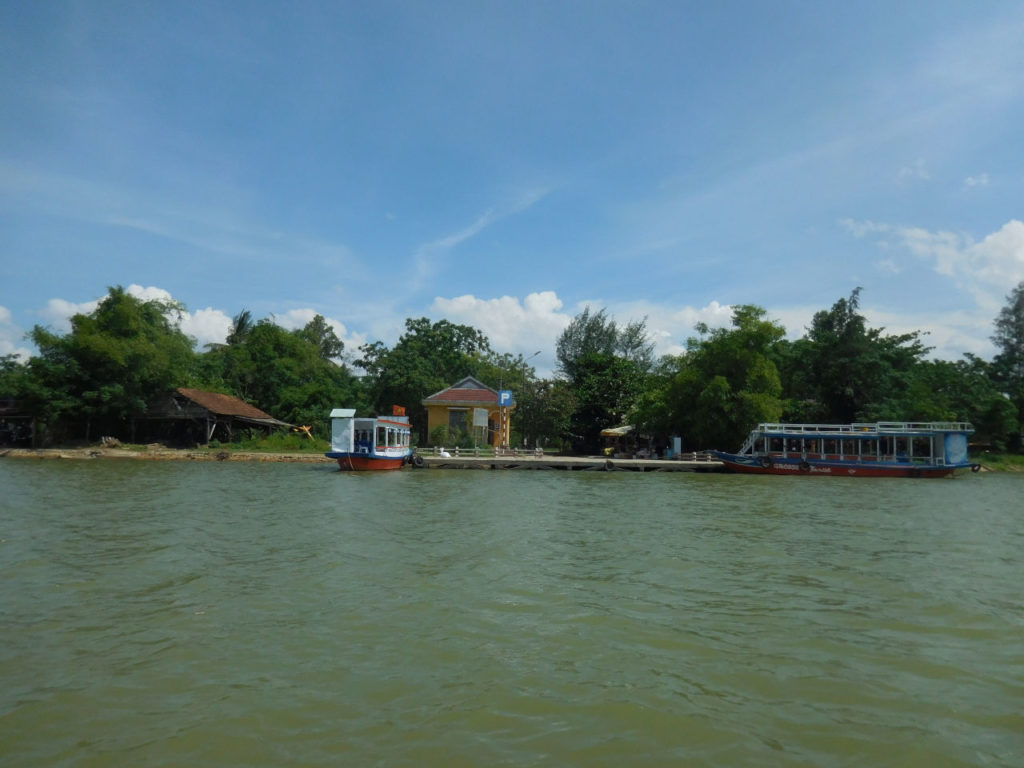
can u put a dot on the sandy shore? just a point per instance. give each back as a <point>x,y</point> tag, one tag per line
<point>159,453</point>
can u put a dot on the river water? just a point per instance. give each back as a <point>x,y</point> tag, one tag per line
<point>231,614</point>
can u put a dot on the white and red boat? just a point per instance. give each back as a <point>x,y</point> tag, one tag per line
<point>371,442</point>
<point>880,449</point>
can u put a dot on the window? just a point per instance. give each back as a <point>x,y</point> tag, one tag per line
<point>458,421</point>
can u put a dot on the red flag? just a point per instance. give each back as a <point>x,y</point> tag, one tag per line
<point>397,410</point>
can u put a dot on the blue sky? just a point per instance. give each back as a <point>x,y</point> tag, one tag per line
<point>504,164</point>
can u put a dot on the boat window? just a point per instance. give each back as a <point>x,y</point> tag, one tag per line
<point>922,447</point>
<point>382,437</point>
<point>901,447</point>
<point>775,445</point>
<point>869,448</point>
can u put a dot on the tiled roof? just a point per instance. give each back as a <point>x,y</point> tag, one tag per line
<point>469,390</point>
<point>224,405</point>
<point>464,396</point>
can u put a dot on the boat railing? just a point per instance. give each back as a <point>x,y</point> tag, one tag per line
<point>880,427</point>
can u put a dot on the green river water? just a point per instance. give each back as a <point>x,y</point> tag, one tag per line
<point>231,614</point>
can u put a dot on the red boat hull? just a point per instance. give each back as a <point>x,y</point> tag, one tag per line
<point>747,465</point>
<point>361,463</point>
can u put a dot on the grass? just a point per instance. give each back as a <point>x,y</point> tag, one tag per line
<point>280,443</point>
<point>1001,462</point>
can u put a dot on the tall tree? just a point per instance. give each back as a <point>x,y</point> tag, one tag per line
<point>844,371</point>
<point>724,384</point>
<point>605,367</point>
<point>112,363</point>
<point>318,332</point>
<point>427,358</point>
<point>597,334</point>
<point>241,324</point>
<point>1008,365</point>
<point>289,374</point>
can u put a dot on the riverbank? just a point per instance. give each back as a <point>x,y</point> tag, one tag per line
<point>156,452</point>
<point>160,453</point>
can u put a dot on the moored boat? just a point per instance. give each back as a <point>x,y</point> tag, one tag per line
<point>879,449</point>
<point>370,442</point>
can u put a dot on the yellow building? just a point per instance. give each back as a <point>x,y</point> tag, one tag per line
<point>472,408</point>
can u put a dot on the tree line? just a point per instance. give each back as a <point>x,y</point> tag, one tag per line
<point>118,359</point>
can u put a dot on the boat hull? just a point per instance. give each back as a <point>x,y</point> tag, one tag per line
<point>359,462</point>
<point>754,465</point>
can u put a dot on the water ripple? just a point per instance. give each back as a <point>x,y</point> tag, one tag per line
<point>224,614</point>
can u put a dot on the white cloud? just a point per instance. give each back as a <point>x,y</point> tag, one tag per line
<point>512,326</point>
<point>863,228</point>
<point>57,313</point>
<point>981,180</point>
<point>916,172</point>
<point>950,334</point>
<point>206,326</point>
<point>294,319</point>
<point>669,326</point>
<point>987,269</point>
<point>10,336</point>
<point>535,323</point>
<point>889,266</point>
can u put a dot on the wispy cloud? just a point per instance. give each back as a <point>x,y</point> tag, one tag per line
<point>11,337</point>
<point>981,180</point>
<point>985,268</point>
<point>429,258</point>
<point>915,172</point>
<point>212,228</point>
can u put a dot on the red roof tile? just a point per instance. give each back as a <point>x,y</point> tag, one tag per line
<point>224,405</point>
<point>469,390</point>
<point>464,396</point>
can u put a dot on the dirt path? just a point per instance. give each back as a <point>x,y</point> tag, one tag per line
<point>159,454</point>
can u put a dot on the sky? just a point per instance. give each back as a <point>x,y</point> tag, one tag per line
<point>507,164</point>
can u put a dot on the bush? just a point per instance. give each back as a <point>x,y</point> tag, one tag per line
<point>439,435</point>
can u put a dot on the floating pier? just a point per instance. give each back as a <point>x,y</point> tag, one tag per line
<point>507,460</point>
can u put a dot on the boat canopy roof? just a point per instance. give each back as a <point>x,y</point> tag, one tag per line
<point>865,430</point>
<point>343,413</point>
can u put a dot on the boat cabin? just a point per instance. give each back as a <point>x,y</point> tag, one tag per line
<point>931,443</point>
<point>368,435</point>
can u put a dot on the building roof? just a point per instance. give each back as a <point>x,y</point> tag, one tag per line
<point>469,391</point>
<point>225,405</point>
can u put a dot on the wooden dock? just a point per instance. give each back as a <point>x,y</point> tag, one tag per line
<point>689,463</point>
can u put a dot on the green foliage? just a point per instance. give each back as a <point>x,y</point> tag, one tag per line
<point>284,442</point>
<point>597,334</point>
<point>114,360</point>
<point>604,390</point>
<point>725,383</point>
<point>543,414</point>
<point>439,435</point>
<point>427,358</point>
<point>843,371</point>
<point>127,352</point>
<point>1008,365</point>
<point>289,374</point>
<point>605,369</point>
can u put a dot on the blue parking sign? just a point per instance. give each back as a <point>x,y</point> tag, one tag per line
<point>505,398</point>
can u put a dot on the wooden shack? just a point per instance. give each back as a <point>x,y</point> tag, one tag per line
<point>190,416</point>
